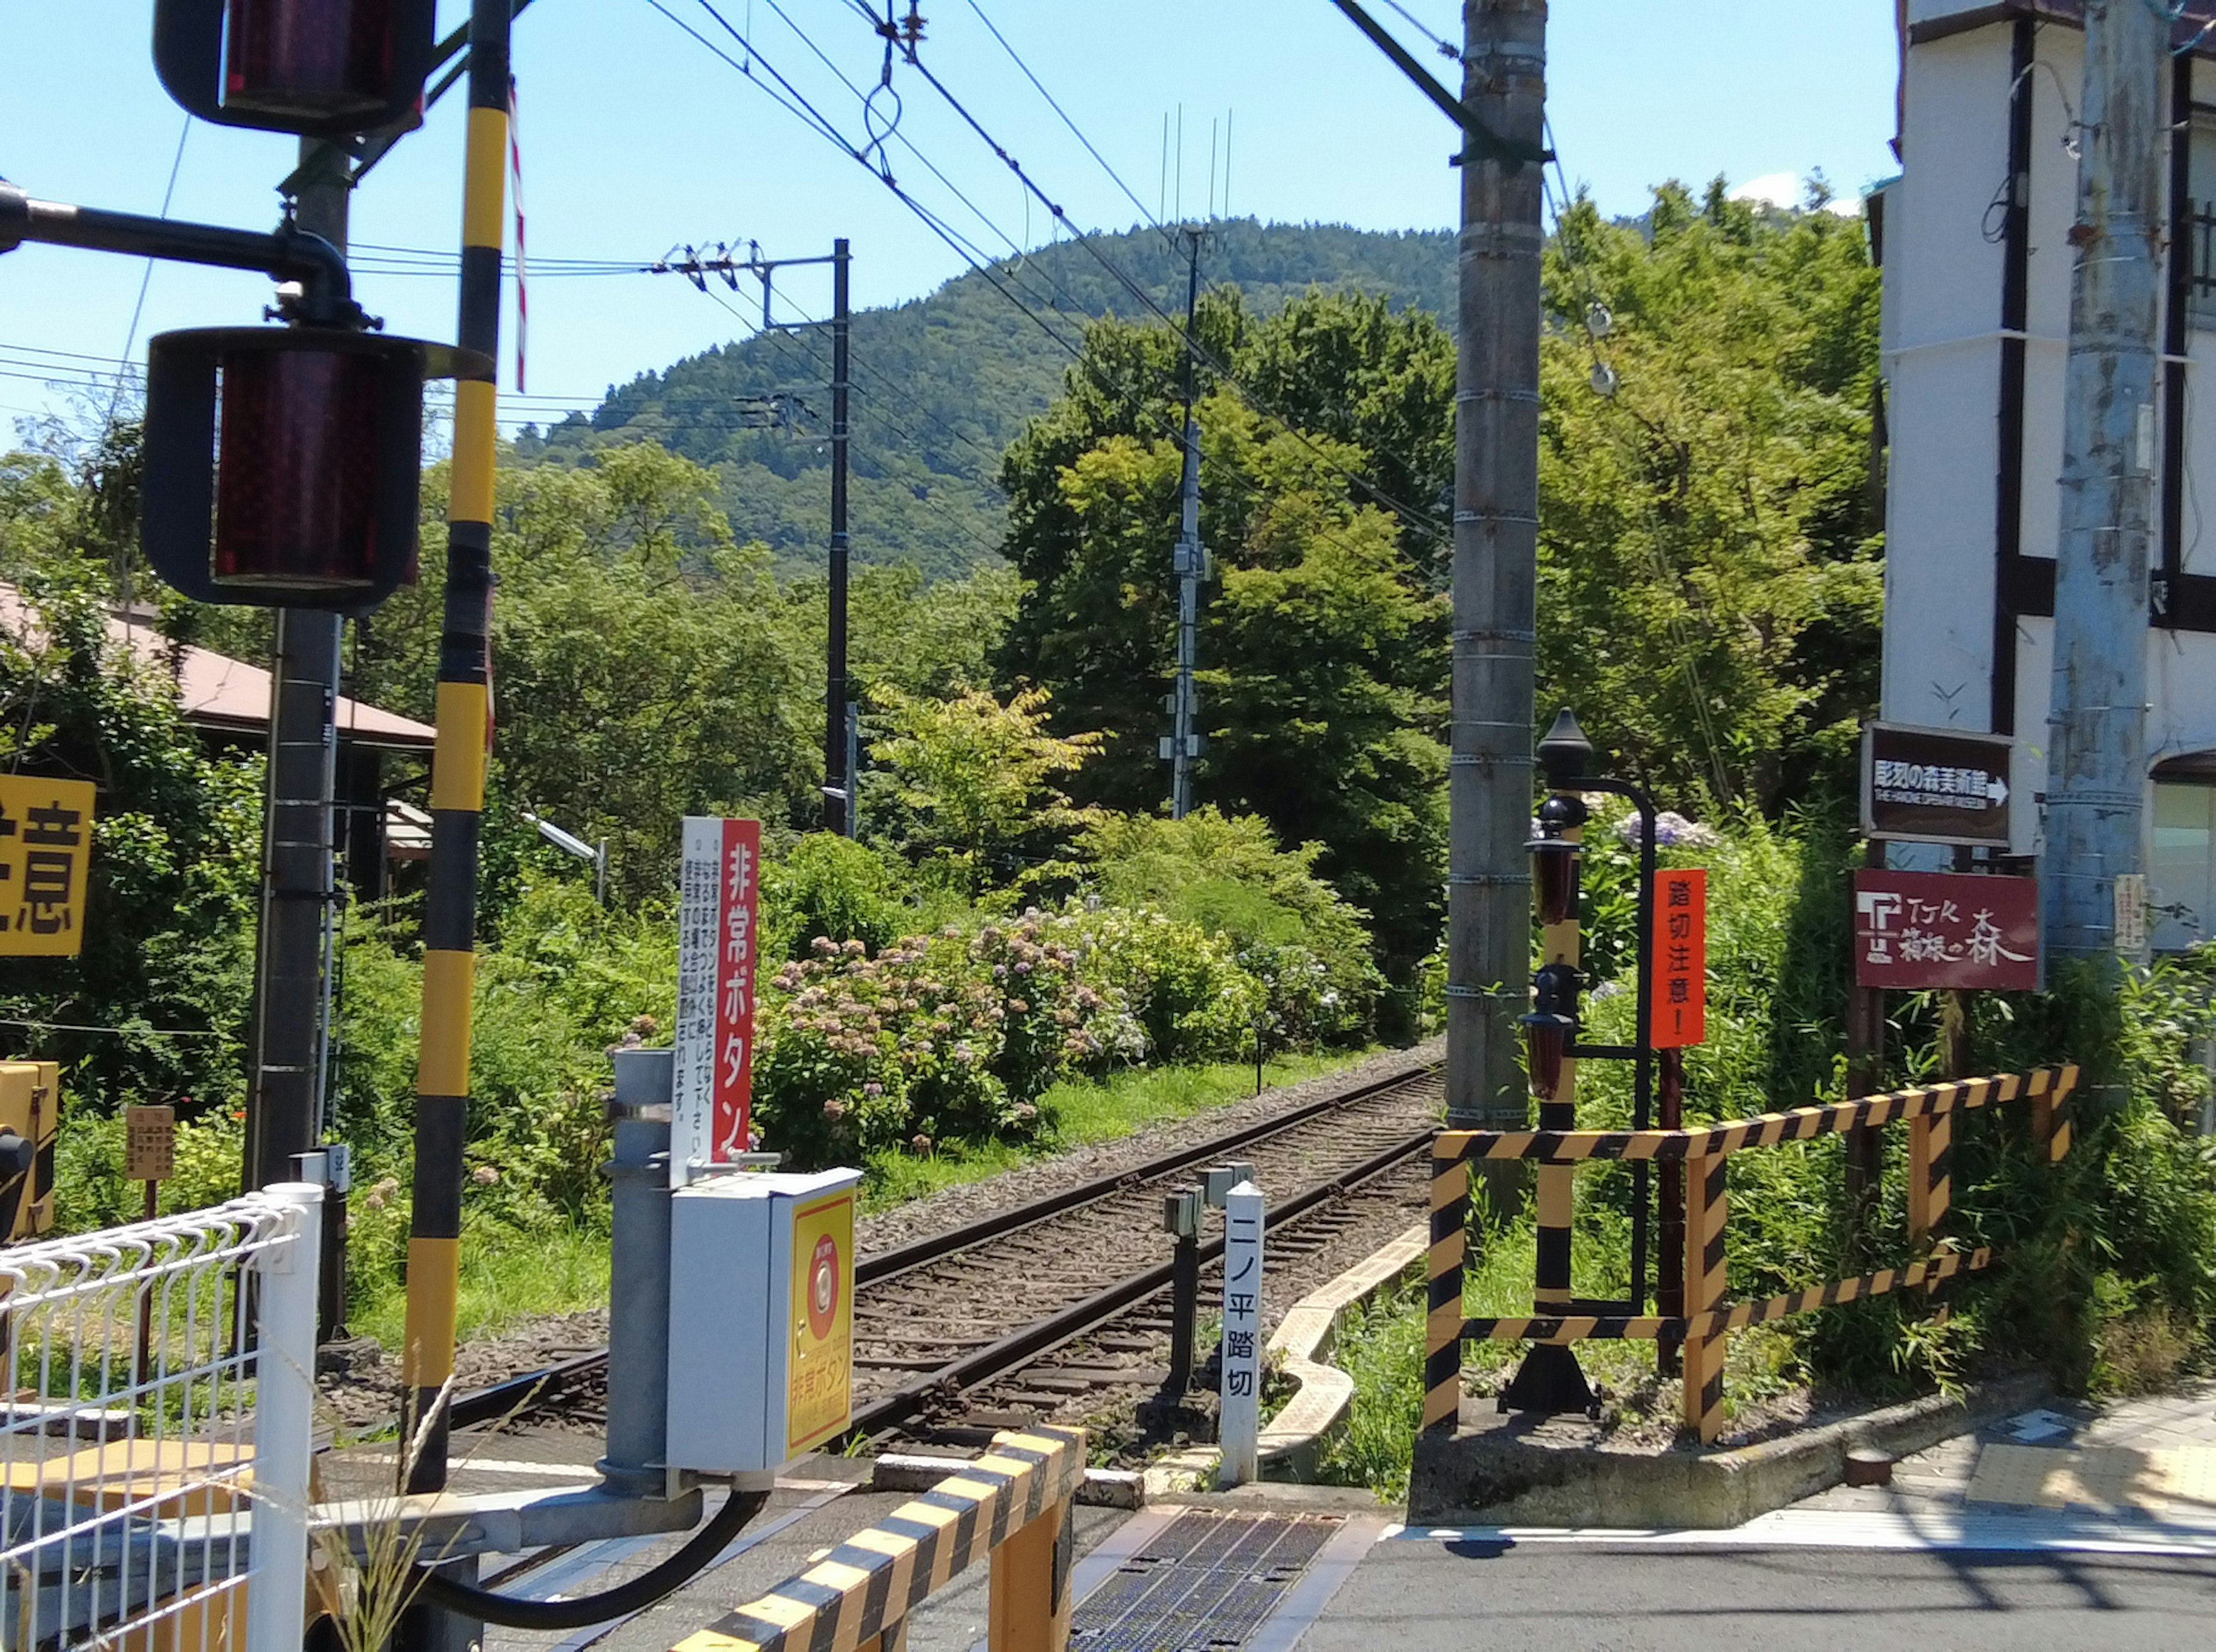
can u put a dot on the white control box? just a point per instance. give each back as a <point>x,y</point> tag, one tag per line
<point>761,1319</point>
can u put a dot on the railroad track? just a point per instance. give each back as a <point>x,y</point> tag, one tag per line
<point>951,1328</point>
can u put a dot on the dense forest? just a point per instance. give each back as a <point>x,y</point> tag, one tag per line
<point>944,383</point>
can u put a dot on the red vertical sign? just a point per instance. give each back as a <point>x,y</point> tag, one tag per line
<point>734,991</point>
<point>1680,980</point>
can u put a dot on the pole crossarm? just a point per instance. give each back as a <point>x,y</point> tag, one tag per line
<point>870,1583</point>
<point>1486,142</point>
<point>1572,1328</point>
<point>2049,1085</point>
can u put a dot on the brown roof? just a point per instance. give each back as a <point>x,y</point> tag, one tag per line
<point>216,692</point>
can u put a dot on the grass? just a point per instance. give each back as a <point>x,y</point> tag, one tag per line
<point>1088,1111</point>
<point>509,1274</point>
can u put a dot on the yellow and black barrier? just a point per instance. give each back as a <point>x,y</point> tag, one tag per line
<point>1014,1503</point>
<point>1706,1151</point>
<point>1650,1328</point>
<point>2049,1086</point>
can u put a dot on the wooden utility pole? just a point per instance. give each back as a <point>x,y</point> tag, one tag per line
<point>1496,538</point>
<point>2098,758</point>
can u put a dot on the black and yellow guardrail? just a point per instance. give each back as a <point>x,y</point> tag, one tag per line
<point>1706,1151</point>
<point>1014,1503</point>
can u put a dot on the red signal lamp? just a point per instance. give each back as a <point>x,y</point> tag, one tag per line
<point>318,68</point>
<point>283,464</point>
<point>1557,859</point>
<point>1549,1028</point>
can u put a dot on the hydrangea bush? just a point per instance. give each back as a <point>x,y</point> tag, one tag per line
<point>943,1037</point>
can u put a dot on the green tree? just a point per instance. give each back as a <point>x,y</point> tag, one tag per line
<point>1324,642</point>
<point>1710,574</point>
<point>974,781</point>
<point>154,1006</point>
<point>644,668</point>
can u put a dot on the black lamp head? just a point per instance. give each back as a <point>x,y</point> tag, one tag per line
<point>1566,754</point>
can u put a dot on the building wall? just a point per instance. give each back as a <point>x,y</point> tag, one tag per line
<point>1945,270</point>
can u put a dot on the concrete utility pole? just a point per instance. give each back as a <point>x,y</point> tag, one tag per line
<point>1495,570</point>
<point>1191,565</point>
<point>284,1113</point>
<point>2096,772</point>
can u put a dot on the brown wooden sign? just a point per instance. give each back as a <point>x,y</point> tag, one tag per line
<point>149,1143</point>
<point>1935,785</point>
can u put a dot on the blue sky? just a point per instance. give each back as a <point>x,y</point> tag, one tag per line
<point>635,138</point>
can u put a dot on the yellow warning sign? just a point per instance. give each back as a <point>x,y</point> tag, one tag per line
<point>820,1369</point>
<point>46,853</point>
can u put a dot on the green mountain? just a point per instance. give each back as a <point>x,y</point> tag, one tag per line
<point>944,383</point>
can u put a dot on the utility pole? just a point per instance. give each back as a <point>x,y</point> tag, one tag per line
<point>2096,772</point>
<point>837,771</point>
<point>1190,561</point>
<point>1496,547</point>
<point>291,1040</point>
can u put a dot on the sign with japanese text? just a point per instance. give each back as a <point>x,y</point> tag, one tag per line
<point>819,1393</point>
<point>1239,1417</point>
<point>1935,785</point>
<point>46,856</point>
<point>719,900</point>
<point>1918,930</point>
<point>1679,1000</point>
<point>149,1143</point>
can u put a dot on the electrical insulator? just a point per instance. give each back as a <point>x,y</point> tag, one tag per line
<point>282,464</point>
<point>1598,320</point>
<point>1603,378</point>
<point>321,68</point>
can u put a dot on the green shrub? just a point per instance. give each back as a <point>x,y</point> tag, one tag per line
<point>836,888</point>
<point>941,1038</point>
<point>1225,876</point>
<point>1184,986</point>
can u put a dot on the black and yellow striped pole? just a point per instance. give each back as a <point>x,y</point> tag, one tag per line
<point>1705,1283</point>
<point>1443,1305</point>
<point>457,770</point>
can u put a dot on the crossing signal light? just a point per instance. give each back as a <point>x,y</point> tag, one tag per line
<point>318,68</point>
<point>283,464</point>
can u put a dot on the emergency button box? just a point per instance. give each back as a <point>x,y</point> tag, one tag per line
<point>761,1319</point>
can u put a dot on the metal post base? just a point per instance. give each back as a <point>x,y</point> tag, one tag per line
<point>1550,1382</point>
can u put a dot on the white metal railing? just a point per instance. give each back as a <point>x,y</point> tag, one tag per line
<point>156,1431</point>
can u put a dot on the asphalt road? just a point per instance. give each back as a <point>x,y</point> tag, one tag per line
<point>1416,1595</point>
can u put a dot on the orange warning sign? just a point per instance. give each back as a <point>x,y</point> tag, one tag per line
<point>820,1374</point>
<point>1681,958</point>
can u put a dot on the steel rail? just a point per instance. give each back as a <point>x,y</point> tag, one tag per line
<point>514,1395</point>
<point>998,1358</point>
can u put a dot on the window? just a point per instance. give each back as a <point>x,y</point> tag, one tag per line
<point>2200,223</point>
<point>2182,879</point>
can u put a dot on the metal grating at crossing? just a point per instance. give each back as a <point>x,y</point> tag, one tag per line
<point>1205,1585</point>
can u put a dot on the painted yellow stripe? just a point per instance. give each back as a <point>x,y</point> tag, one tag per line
<point>1452,1144</point>
<point>484,180</point>
<point>787,1615</point>
<point>1441,1403</point>
<point>1449,1185</point>
<point>434,1273</point>
<point>458,766</point>
<point>1442,1325</point>
<point>476,406</point>
<point>1446,1256</point>
<point>1556,1196</point>
<point>444,1068</point>
<point>708,1640</point>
